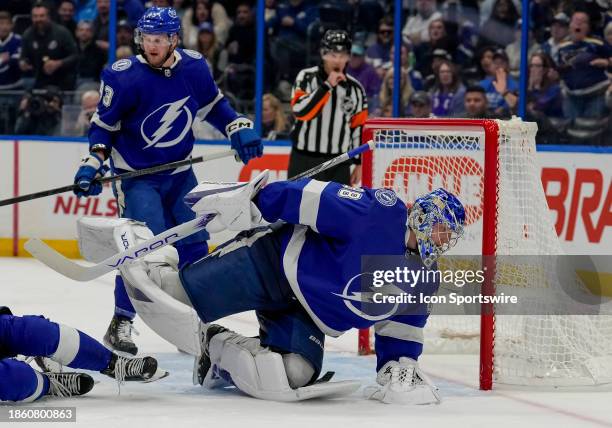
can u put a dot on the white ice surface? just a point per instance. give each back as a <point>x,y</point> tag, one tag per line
<point>28,287</point>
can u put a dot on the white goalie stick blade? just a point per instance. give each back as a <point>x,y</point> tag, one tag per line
<point>325,390</point>
<point>78,272</point>
<point>317,390</point>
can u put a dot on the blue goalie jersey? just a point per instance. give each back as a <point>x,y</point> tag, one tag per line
<point>145,115</point>
<point>331,229</point>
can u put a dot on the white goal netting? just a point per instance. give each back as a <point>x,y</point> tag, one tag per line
<point>415,157</point>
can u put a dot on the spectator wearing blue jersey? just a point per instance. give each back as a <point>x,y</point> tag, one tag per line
<point>148,106</point>
<point>582,62</point>
<point>496,100</point>
<point>447,92</point>
<point>10,50</point>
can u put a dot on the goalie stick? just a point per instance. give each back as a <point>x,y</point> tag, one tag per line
<point>78,272</point>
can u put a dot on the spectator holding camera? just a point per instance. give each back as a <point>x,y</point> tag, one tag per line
<point>10,48</point>
<point>582,62</point>
<point>40,112</point>
<point>49,51</point>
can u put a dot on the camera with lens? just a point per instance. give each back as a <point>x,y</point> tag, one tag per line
<point>39,101</point>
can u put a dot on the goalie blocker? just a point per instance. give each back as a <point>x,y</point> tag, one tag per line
<point>294,276</point>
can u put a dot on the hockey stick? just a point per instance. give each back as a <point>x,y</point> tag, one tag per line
<point>131,174</point>
<point>78,272</point>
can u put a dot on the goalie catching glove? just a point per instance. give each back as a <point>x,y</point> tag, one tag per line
<point>231,202</point>
<point>403,382</point>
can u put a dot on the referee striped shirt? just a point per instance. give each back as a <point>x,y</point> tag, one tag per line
<point>328,120</point>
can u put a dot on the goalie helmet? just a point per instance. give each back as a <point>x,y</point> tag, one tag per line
<point>437,207</point>
<point>335,41</point>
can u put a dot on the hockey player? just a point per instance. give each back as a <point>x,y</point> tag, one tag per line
<point>300,278</point>
<point>36,336</point>
<point>144,118</point>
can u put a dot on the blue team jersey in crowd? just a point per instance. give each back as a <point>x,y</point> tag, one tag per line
<point>145,115</point>
<point>330,228</point>
<point>574,58</point>
<point>10,50</point>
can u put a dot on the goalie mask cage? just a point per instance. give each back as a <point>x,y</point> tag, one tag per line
<point>491,166</point>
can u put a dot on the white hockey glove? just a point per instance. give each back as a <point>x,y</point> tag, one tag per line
<point>403,382</point>
<point>231,202</point>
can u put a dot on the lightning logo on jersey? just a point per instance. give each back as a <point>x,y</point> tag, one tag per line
<point>364,305</point>
<point>162,132</point>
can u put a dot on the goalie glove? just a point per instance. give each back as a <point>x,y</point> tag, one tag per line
<point>403,382</point>
<point>231,202</point>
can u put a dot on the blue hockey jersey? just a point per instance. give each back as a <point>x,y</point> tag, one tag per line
<point>145,115</point>
<point>10,51</point>
<point>331,228</point>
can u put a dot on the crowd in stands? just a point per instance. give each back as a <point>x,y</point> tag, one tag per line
<point>460,58</point>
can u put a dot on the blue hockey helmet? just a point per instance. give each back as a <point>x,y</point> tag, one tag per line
<point>162,21</point>
<point>437,207</point>
<point>159,20</point>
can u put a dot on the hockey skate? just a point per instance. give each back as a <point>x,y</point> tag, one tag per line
<point>118,337</point>
<point>69,384</point>
<point>134,369</point>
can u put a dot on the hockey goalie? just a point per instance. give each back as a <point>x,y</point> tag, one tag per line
<point>299,248</point>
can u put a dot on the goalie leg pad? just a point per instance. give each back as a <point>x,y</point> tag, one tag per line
<point>261,373</point>
<point>168,314</point>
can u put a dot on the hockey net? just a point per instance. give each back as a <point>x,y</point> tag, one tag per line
<point>491,166</point>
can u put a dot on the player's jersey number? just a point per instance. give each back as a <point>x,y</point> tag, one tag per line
<point>106,93</point>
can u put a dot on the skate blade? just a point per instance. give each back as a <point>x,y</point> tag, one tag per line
<point>159,374</point>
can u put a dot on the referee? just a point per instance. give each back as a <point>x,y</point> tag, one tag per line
<point>330,108</point>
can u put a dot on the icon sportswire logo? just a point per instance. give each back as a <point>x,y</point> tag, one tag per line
<point>165,122</point>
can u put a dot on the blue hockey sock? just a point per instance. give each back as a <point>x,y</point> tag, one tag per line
<point>123,305</point>
<point>20,382</point>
